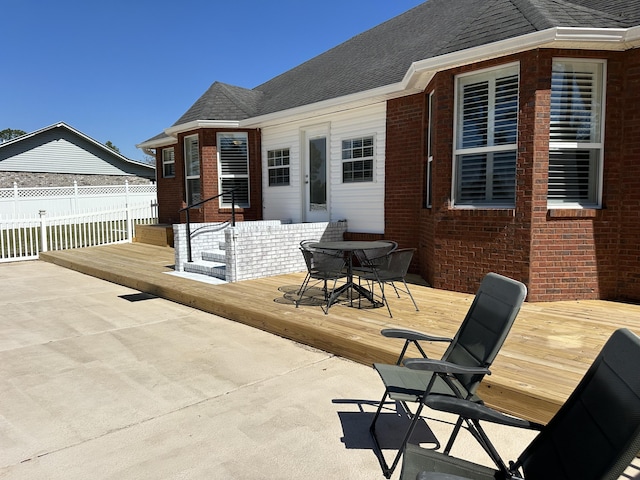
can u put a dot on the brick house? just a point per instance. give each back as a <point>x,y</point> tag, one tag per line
<point>492,136</point>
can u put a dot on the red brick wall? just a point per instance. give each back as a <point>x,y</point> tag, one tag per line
<point>575,252</point>
<point>171,191</point>
<point>559,254</point>
<point>404,171</point>
<point>628,267</point>
<point>460,246</point>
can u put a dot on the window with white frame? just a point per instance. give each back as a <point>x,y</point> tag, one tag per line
<point>233,168</point>
<point>485,148</point>
<point>357,159</point>
<point>192,169</point>
<point>576,131</point>
<point>278,167</point>
<point>429,144</point>
<point>168,163</point>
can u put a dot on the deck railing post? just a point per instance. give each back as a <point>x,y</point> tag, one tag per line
<point>129,224</point>
<point>189,259</point>
<point>233,207</point>
<point>43,230</point>
<point>201,202</point>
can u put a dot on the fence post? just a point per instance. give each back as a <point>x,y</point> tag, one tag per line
<point>15,198</point>
<point>75,197</point>
<point>43,230</point>
<point>129,224</point>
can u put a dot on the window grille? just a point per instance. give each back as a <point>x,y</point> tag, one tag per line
<point>575,133</point>
<point>357,160</point>
<point>487,136</point>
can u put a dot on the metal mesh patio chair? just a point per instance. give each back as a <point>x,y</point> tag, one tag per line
<point>391,268</point>
<point>594,436</point>
<point>463,365</point>
<point>322,267</point>
<point>373,257</point>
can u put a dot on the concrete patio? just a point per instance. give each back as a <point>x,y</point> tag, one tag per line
<point>100,381</point>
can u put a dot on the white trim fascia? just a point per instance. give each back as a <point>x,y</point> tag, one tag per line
<point>420,73</point>
<point>557,37</point>
<point>158,143</point>
<point>632,37</point>
<point>332,105</point>
<point>195,124</point>
<point>172,132</point>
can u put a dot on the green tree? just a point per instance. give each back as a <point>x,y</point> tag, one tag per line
<point>9,134</point>
<point>112,146</point>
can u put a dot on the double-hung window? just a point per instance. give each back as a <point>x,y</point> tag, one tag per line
<point>575,143</point>
<point>486,140</point>
<point>168,163</point>
<point>357,159</point>
<point>192,169</point>
<point>278,167</point>
<point>233,168</point>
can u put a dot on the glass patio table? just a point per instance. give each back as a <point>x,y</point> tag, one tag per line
<point>348,247</point>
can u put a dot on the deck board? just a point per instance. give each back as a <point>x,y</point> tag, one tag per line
<point>546,353</point>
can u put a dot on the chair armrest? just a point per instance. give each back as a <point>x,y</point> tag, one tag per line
<point>440,366</point>
<point>412,335</point>
<point>476,411</point>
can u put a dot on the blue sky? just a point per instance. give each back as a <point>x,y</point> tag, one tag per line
<point>123,71</point>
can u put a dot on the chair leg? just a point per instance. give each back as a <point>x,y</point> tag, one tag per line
<point>329,296</point>
<point>376,445</point>
<point>302,289</point>
<point>454,434</point>
<point>387,470</point>
<point>410,296</point>
<point>384,298</point>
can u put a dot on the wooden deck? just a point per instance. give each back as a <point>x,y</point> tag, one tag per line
<point>549,348</point>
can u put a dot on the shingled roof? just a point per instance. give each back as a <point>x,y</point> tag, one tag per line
<point>223,102</point>
<point>382,55</point>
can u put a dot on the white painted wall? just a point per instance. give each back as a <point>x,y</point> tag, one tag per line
<point>361,204</point>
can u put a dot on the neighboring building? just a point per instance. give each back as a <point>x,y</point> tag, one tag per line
<point>58,155</point>
<point>497,135</point>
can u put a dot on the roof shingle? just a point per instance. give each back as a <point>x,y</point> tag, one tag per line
<point>382,55</point>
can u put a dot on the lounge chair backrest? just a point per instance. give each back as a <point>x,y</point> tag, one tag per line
<point>596,433</point>
<point>486,326</point>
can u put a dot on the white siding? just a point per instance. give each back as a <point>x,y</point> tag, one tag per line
<point>282,202</point>
<point>361,204</point>
<point>61,151</point>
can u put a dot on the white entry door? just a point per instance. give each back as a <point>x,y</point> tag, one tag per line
<point>316,169</point>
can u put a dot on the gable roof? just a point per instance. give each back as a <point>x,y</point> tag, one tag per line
<point>383,55</point>
<point>60,148</point>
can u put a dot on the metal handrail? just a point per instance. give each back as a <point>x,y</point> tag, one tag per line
<point>197,204</point>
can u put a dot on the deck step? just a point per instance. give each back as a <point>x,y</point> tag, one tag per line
<point>214,256</point>
<point>206,267</point>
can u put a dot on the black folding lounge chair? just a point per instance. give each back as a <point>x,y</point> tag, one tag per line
<point>594,436</point>
<point>463,365</point>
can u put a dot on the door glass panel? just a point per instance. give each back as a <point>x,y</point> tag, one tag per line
<point>318,174</point>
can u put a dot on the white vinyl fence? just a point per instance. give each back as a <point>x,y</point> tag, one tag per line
<point>24,238</point>
<point>72,199</point>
